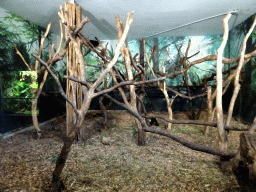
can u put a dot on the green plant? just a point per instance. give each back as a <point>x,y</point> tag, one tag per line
<point>19,94</point>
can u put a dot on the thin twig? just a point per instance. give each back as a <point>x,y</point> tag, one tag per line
<point>42,44</point>
<point>18,52</point>
<point>116,86</point>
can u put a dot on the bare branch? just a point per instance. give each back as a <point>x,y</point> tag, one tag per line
<point>113,61</point>
<point>81,25</point>
<point>57,58</point>
<point>238,71</point>
<point>18,52</point>
<point>128,83</point>
<point>231,128</point>
<point>181,140</point>
<point>193,55</point>
<point>57,81</point>
<point>61,39</point>
<point>207,58</point>
<point>116,86</point>
<point>42,44</point>
<point>184,96</point>
<point>193,146</point>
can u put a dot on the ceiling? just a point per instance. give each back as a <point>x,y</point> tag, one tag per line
<point>151,16</point>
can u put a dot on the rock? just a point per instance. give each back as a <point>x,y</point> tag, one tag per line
<point>106,140</point>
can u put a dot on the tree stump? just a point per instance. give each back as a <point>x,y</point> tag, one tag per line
<point>244,166</point>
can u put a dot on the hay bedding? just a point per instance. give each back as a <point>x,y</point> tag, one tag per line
<point>26,164</point>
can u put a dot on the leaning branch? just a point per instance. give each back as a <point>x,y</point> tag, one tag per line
<point>207,58</point>
<point>231,128</point>
<point>219,79</point>
<point>184,96</point>
<point>193,146</point>
<point>18,52</point>
<point>42,44</point>
<point>116,55</point>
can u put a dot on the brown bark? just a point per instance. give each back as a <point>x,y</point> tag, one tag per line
<point>74,64</point>
<point>168,102</point>
<point>185,96</point>
<point>133,102</point>
<point>60,163</point>
<point>186,84</point>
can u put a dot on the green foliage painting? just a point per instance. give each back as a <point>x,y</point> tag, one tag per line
<point>17,83</point>
<point>18,97</point>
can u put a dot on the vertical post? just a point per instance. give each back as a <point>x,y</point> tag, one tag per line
<point>209,108</point>
<point>141,53</point>
<point>74,90</point>
<point>1,97</point>
<point>156,53</point>
<point>219,79</point>
<point>141,61</point>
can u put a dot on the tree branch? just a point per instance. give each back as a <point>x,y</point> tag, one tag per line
<point>57,81</point>
<point>116,86</point>
<point>193,146</point>
<point>207,58</point>
<point>231,128</point>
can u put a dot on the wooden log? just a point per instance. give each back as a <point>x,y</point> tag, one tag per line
<point>74,89</point>
<point>244,165</point>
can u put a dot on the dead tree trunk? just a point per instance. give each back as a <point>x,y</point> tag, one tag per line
<point>74,90</point>
<point>168,102</point>
<point>219,79</point>
<point>209,108</point>
<point>142,77</point>
<point>133,103</point>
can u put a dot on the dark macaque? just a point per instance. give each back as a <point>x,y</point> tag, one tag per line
<point>153,121</point>
<point>94,43</point>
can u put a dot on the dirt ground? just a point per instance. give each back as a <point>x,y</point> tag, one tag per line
<point>110,160</point>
